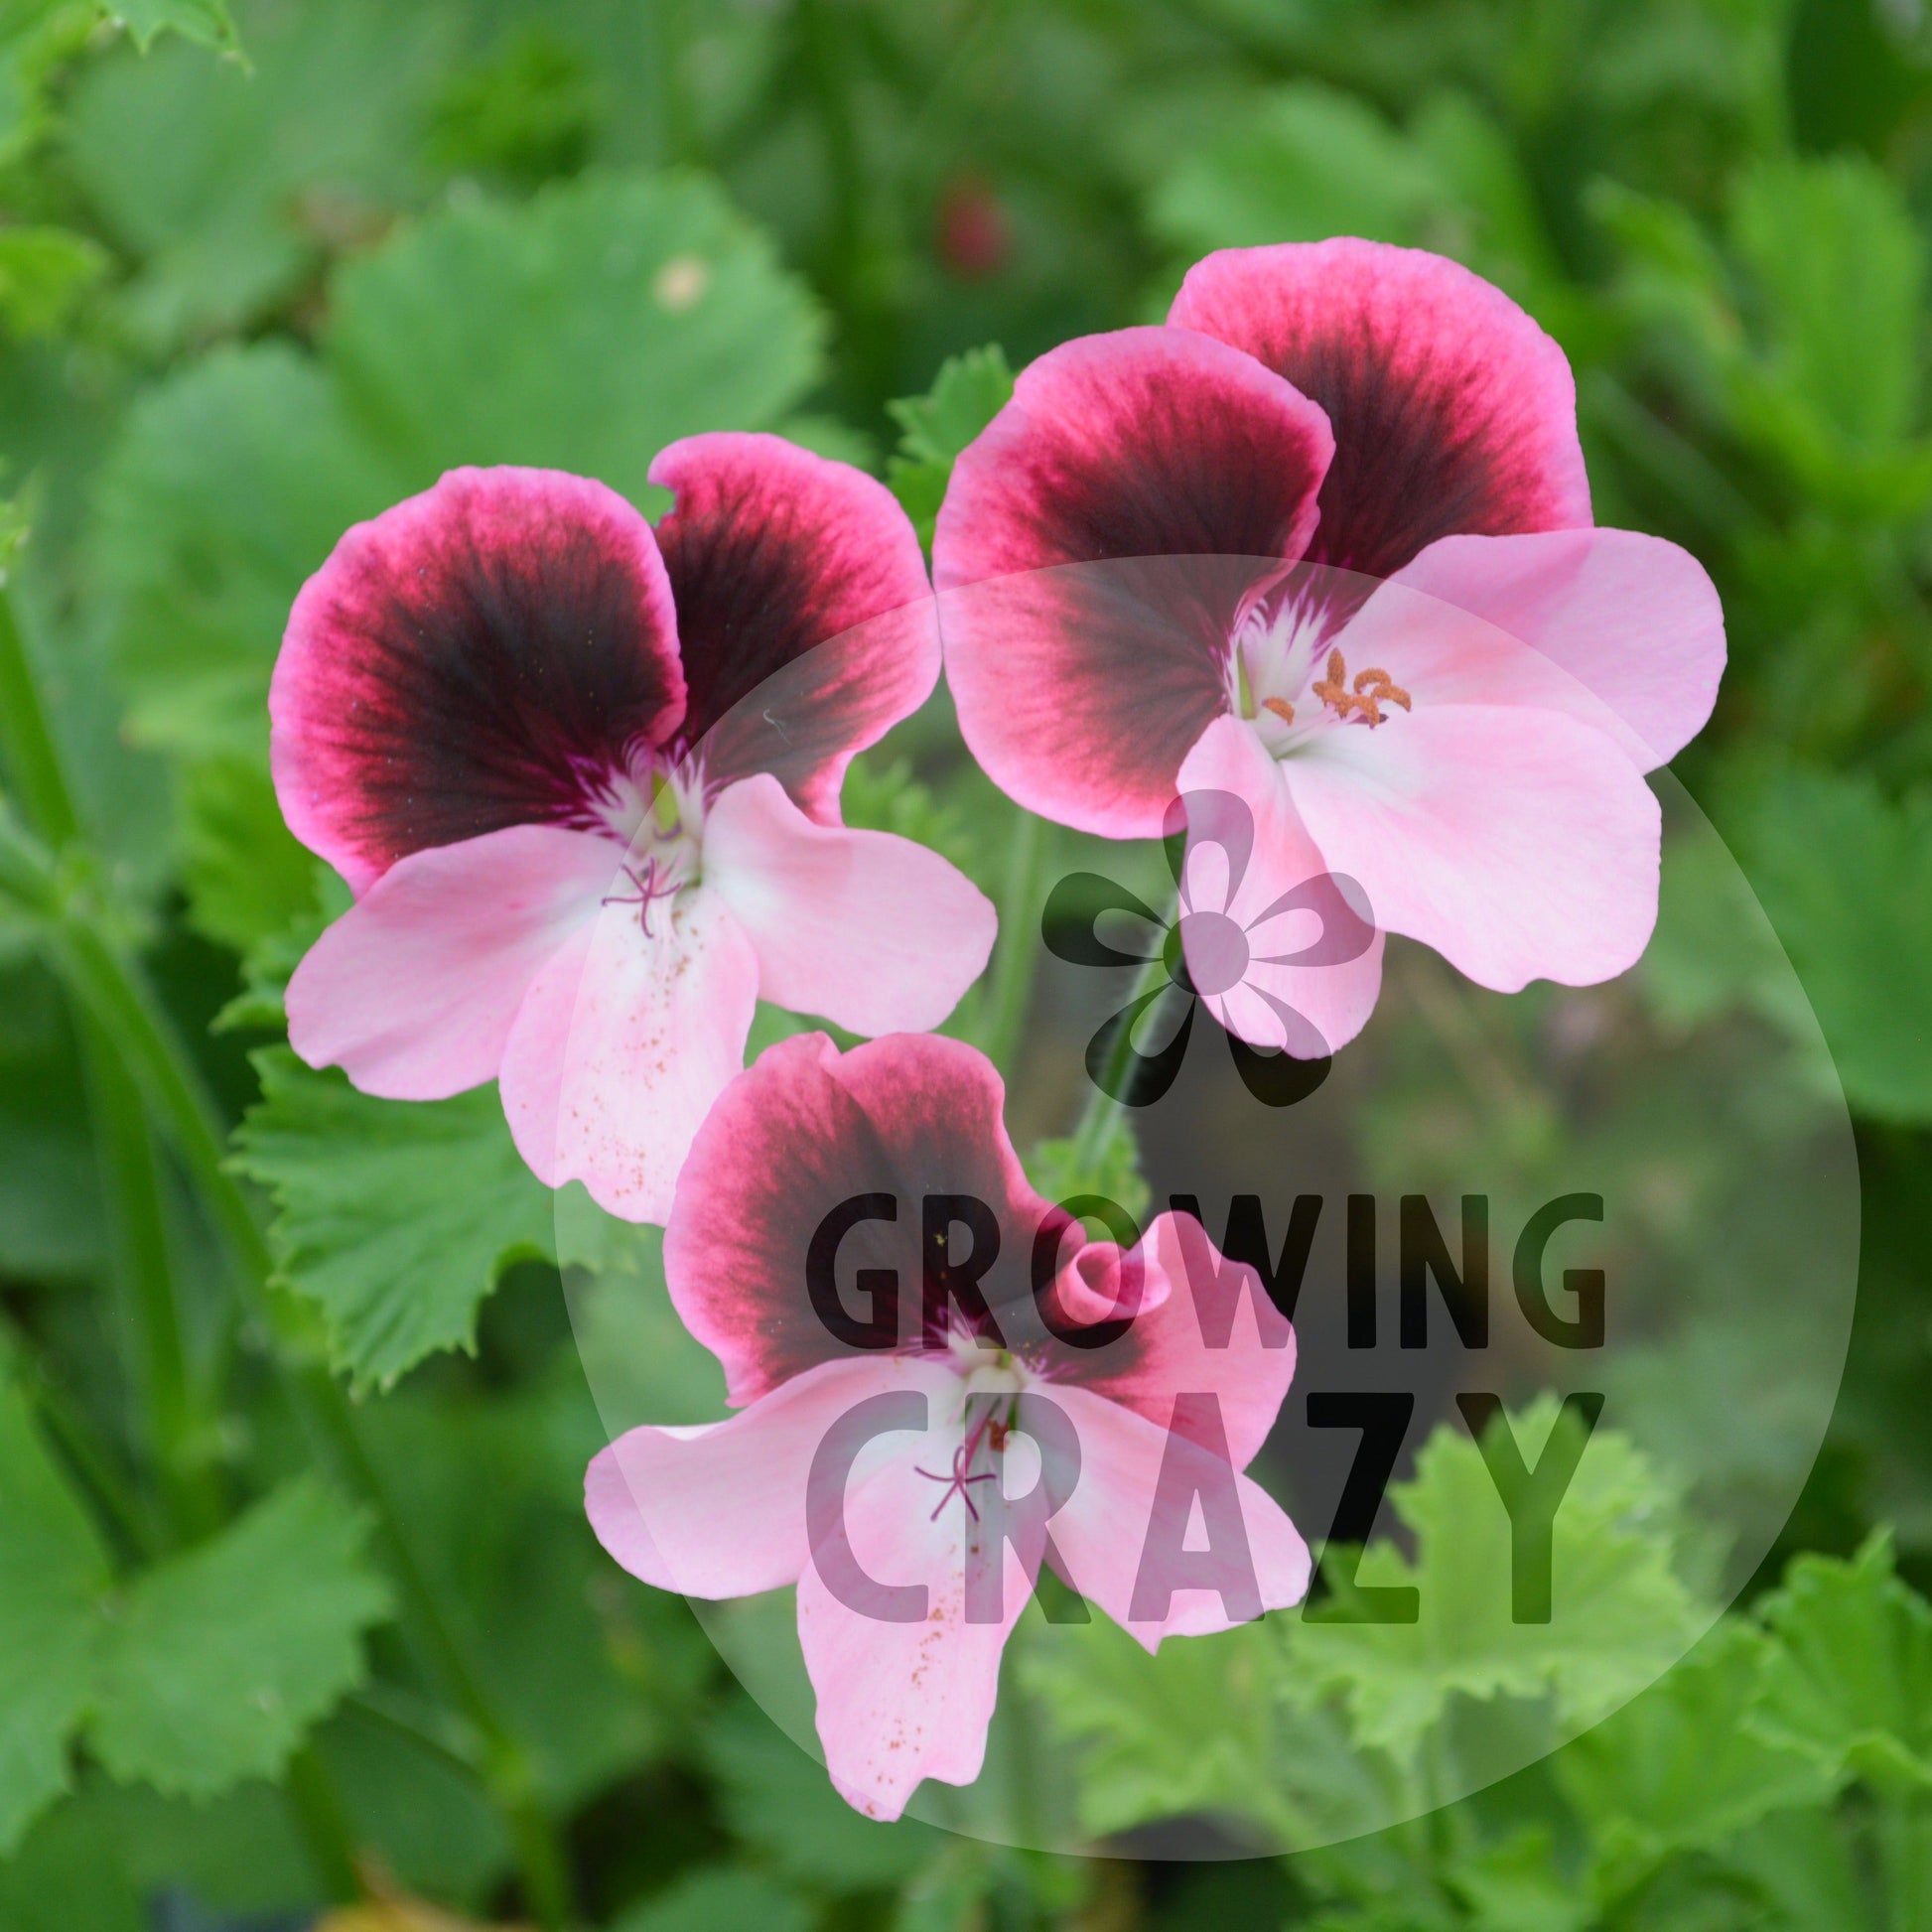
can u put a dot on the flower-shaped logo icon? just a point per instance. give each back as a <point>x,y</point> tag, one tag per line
<point>1210,952</point>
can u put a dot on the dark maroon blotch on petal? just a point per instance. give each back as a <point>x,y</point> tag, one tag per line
<point>1452,411</point>
<point>485,654</point>
<point>804,611</point>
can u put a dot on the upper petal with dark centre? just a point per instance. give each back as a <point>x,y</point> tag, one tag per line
<point>1097,544</point>
<point>803,610</point>
<point>490,653</point>
<point>881,1131</point>
<point>787,1144</point>
<point>1452,411</point>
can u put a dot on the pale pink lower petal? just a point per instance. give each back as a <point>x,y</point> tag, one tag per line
<point>719,1510</point>
<point>1520,844</point>
<point>902,1701</point>
<point>1103,1533</point>
<point>875,932</point>
<point>1334,998</point>
<point>624,1040</point>
<point>414,989</point>
<point>1206,1325</point>
<point>1622,631</point>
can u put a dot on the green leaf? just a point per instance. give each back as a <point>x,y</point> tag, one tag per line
<point>69,1876</point>
<point>217,1662</point>
<point>1849,1681</point>
<point>1053,1169</point>
<point>1517,1886</point>
<point>778,1800</point>
<point>397,1217</point>
<point>1847,877</point>
<point>230,485</point>
<point>583,331</point>
<point>37,37</point>
<point>246,878</point>
<point>1305,163</point>
<point>968,392</point>
<point>1619,1615</point>
<point>230,185</point>
<point>720,1899</point>
<point>1839,263</point>
<point>1201,1725</point>
<point>1677,1770</point>
<point>44,272</point>
<point>270,962</point>
<point>594,1675</point>
<point>205,22</point>
<point>643,1364</point>
<point>52,1571</point>
<point>1805,336</point>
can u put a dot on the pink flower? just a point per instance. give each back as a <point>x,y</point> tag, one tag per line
<point>584,779</point>
<point>1324,542</point>
<point>943,1384</point>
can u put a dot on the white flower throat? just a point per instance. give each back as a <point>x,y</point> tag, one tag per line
<point>1290,684</point>
<point>658,815</point>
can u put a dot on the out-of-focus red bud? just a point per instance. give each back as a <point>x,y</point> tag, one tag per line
<point>972,234</point>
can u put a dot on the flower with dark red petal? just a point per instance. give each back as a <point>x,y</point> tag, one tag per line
<point>943,1384</point>
<point>584,779</point>
<point>1324,542</point>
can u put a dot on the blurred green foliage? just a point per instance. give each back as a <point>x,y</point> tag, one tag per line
<point>259,278</point>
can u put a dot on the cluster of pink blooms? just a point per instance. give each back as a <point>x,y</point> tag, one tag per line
<point>1322,543</point>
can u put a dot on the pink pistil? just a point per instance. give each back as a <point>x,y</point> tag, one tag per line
<point>962,1458</point>
<point>648,889</point>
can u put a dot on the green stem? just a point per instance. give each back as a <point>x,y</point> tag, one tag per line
<point>112,993</point>
<point>1010,990</point>
<point>174,1089</point>
<point>191,1491</point>
<point>317,1809</point>
<point>27,740</point>
<point>126,1511</point>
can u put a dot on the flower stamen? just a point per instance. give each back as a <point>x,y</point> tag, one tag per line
<point>1373,689</point>
<point>1281,708</point>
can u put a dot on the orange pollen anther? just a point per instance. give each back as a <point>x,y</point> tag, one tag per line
<point>1281,708</point>
<point>1373,689</point>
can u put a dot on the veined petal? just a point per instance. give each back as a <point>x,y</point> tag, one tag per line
<point>1179,1342</point>
<point>1304,945</point>
<point>786,1146</point>
<point>1096,546</point>
<point>413,991</point>
<point>1452,411</point>
<point>719,1509</point>
<point>1519,843</point>
<point>1125,1532</point>
<point>901,1701</point>
<point>621,1045</point>
<point>875,933</point>
<point>1622,631</point>
<point>803,606</point>
<point>482,656</point>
